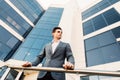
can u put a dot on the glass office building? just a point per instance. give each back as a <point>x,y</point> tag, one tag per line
<point>102,46</point>
<point>93,33</point>
<point>39,36</point>
<point>101,31</point>
<point>9,43</point>
<point>30,8</point>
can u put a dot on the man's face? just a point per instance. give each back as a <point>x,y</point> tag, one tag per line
<point>57,34</point>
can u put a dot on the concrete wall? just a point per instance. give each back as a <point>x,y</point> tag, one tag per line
<point>72,33</point>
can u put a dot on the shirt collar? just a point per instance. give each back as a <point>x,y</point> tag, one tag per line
<point>56,42</point>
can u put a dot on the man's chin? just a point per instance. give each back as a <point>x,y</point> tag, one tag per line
<point>59,38</point>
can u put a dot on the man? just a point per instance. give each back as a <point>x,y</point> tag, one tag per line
<point>55,54</point>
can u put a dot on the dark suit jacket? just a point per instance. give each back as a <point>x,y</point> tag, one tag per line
<point>55,59</point>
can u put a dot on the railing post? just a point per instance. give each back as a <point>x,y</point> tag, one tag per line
<point>19,75</point>
<point>5,74</point>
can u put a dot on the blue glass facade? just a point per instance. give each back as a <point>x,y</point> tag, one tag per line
<point>116,32</point>
<point>8,44</point>
<point>30,8</point>
<point>97,77</point>
<point>103,48</point>
<point>40,35</point>
<point>107,18</point>
<point>98,7</point>
<point>13,19</point>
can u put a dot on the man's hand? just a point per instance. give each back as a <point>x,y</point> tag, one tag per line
<point>27,64</point>
<point>68,65</point>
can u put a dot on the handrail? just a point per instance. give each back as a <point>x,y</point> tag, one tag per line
<point>80,71</point>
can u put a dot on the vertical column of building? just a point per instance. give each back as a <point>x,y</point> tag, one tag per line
<point>71,24</point>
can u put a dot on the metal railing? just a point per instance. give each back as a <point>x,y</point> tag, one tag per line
<point>79,71</point>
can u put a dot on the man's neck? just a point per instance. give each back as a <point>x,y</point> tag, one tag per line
<point>56,40</point>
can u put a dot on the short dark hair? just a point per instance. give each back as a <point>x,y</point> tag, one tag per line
<point>55,28</point>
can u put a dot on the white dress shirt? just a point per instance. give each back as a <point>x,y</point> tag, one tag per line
<point>54,45</point>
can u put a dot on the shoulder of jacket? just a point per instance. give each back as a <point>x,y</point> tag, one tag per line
<point>64,43</point>
<point>48,44</point>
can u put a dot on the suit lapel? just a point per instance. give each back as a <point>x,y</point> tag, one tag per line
<point>50,48</point>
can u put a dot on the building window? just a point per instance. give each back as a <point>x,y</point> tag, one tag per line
<point>88,27</point>
<point>97,77</point>
<point>31,9</point>
<point>116,32</point>
<point>102,49</point>
<point>99,22</point>
<point>107,18</point>
<point>8,44</point>
<point>13,19</point>
<point>111,16</point>
<point>98,7</point>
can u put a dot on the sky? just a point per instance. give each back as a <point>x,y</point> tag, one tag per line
<point>82,3</point>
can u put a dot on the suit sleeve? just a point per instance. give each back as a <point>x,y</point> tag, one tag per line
<point>39,58</point>
<point>69,54</point>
